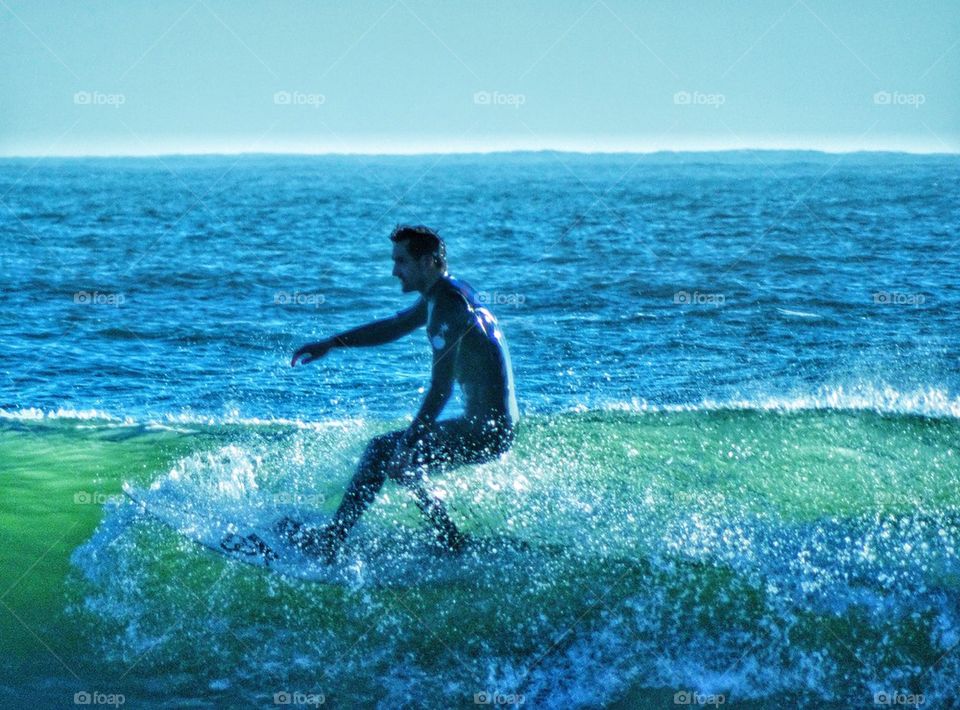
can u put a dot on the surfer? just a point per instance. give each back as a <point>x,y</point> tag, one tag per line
<point>469,347</point>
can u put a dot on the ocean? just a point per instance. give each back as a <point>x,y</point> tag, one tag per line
<point>739,381</point>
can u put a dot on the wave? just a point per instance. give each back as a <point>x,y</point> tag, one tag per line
<point>790,549</point>
<point>929,402</point>
<point>798,314</point>
<point>794,557</point>
<point>68,415</point>
<point>934,402</point>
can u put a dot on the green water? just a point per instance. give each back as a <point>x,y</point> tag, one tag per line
<point>805,556</point>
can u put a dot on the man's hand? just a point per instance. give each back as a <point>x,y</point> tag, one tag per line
<point>311,352</point>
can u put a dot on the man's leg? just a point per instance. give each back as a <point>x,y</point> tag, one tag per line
<point>448,534</point>
<point>362,489</point>
<point>451,444</point>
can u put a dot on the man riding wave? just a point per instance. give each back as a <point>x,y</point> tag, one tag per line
<point>468,347</point>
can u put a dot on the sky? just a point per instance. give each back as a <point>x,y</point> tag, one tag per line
<point>135,77</point>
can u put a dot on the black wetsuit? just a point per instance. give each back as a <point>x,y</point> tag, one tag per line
<point>468,347</point>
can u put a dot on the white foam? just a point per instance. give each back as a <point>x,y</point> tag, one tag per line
<point>797,314</point>
<point>36,414</point>
<point>881,398</point>
<point>169,421</point>
<point>931,401</point>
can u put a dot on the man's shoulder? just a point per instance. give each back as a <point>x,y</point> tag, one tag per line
<point>450,301</point>
<point>453,293</point>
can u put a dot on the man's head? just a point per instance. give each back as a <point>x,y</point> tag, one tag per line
<point>419,257</point>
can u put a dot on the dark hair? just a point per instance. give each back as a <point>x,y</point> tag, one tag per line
<point>421,241</point>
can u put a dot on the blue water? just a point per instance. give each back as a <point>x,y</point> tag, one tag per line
<point>739,379</point>
<point>800,272</point>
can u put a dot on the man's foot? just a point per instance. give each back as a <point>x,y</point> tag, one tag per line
<point>315,542</point>
<point>289,529</point>
<point>323,543</point>
<point>283,525</point>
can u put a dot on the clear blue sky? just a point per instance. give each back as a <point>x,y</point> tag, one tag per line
<point>141,77</point>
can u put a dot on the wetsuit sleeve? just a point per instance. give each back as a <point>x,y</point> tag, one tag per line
<point>448,325</point>
<point>386,330</point>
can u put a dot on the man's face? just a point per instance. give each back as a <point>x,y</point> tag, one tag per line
<point>412,272</point>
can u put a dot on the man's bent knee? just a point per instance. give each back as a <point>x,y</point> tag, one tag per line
<point>372,477</point>
<point>379,452</point>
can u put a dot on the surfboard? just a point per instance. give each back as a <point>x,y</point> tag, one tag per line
<point>395,556</point>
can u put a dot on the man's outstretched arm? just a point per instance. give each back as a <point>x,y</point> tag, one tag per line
<point>376,333</point>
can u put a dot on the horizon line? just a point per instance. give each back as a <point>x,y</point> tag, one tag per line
<point>491,152</point>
